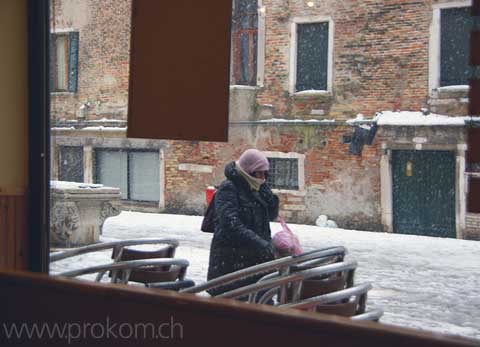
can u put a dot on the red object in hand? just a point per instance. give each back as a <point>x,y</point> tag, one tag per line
<point>209,192</point>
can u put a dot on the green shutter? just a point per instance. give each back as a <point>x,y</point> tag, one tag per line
<point>144,176</point>
<point>455,68</point>
<point>73,38</point>
<point>51,61</point>
<point>312,56</point>
<point>111,167</point>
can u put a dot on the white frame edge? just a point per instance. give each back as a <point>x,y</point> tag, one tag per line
<point>434,42</point>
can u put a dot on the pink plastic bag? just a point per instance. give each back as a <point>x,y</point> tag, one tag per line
<point>285,241</point>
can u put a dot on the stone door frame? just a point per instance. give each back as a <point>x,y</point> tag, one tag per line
<point>386,180</point>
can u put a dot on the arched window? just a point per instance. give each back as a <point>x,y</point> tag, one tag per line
<point>245,33</point>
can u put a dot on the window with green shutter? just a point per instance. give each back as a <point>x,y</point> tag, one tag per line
<point>64,62</point>
<point>312,56</point>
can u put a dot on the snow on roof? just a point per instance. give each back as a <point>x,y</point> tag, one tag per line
<point>106,120</point>
<point>360,119</point>
<point>73,185</point>
<point>62,128</point>
<point>102,128</point>
<point>282,120</point>
<point>409,118</point>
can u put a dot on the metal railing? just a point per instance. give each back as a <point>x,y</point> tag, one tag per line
<point>110,245</point>
<point>127,266</point>
<point>270,266</point>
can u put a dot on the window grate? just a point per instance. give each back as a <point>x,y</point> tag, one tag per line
<point>312,56</point>
<point>283,173</point>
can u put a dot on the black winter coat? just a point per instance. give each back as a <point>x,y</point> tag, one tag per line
<point>242,230</point>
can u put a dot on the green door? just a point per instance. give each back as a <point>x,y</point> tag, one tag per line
<point>424,193</point>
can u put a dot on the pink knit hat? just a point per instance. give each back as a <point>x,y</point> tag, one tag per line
<point>253,160</point>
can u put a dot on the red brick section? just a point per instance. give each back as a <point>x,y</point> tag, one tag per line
<point>326,160</point>
<point>380,56</point>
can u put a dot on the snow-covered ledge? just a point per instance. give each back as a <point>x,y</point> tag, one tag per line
<point>78,211</point>
<point>410,118</point>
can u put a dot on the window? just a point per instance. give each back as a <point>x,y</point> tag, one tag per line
<point>311,54</point>
<point>449,52</point>
<point>283,173</point>
<point>64,62</point>
<point>70,160</point>
<point>456,24</point>
<point>287,172</point>
<point>135,172</point>
<point>244,40</point>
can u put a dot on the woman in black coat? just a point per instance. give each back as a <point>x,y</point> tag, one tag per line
<point>244,206</point>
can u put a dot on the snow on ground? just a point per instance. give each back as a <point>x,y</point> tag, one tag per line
<point>420,282</point>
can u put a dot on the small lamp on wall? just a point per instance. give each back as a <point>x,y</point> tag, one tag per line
<point>409,169</point>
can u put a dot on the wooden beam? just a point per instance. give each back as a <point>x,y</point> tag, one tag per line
<point>179,70</point>
<point>37,298</point>
<point>13,232</point>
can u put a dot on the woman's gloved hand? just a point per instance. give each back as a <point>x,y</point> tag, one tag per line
<point>269,250</point>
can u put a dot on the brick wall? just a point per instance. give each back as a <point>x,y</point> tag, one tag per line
<point>343,186</point>
<point>104,30</point>
<point>380,56</point>
<point>472,231</point>
<point>380,62</point>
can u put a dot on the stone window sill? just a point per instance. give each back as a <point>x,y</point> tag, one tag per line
<point>288,191</point>
<point>236,86</point>
<point>312,93</point>
<point>451,92</point>
<point>62,93</point>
